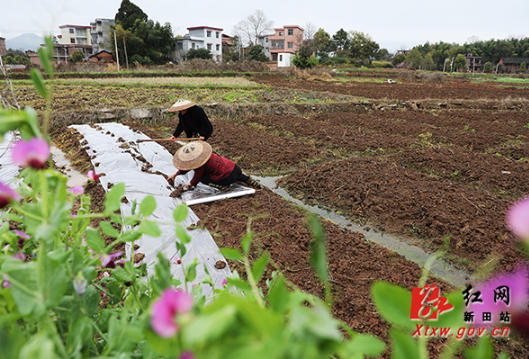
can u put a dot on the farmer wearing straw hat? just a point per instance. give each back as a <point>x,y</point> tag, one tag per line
<point>192,120</point>
<point>210,168</point>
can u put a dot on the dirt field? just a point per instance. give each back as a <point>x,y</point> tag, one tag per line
<point>424,175</point>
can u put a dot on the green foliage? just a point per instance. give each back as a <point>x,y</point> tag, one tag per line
<point>341,39</point>
<point>323,44</point>
<point>488,67</point>
<point>460,62</point>
<point>146,60</point>
<point>198,54</point>
<point>414,59</point>
<point>256,53</point>
<point>397,59</point>
<point>16,57</point>
<point>128,13</point>
<point>77,56</point>
<point>141,36</point>
<point>523,66</point>
<point>303,59</point>
<point>362,46</point>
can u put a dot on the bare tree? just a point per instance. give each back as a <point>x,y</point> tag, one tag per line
<point>253,26</point>
<point>310,30</point>
<point>308,35</point>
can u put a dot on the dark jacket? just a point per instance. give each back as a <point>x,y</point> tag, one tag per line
<point>194,123</point>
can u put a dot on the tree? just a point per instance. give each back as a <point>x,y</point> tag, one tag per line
<point>523,66</point>
<point>256,53</point>
<point>304,59</point>
<point>198,54</point>
<point>460,63</point>
<point>428,62</point>
<point>362,46</point>
<point>322,43</point>
<point>341,38</point>
<point>488,67</point>
<point>383,55</point>
<point>77,56</point>
<point>128,13</point>
<point>255,25</point>
<point>414,59</point>
<point>397,59</point>
<point>308,35</point>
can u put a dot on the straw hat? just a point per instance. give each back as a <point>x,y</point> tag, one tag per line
<point>181,105</point>
<point>192,156</point>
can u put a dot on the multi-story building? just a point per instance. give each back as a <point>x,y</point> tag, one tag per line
<point>101,36</point>
<point>200,37</point>
<point>284,44</point>
<point>72,37</point>
<point>75,34</point>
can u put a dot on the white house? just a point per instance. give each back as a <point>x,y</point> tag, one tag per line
<point>75,34</point>
<point>200,37</point>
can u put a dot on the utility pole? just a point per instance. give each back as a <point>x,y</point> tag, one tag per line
<point>125,47</point>
<point>116,43</point>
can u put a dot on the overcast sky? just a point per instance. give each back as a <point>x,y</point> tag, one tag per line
<point>394,24</point>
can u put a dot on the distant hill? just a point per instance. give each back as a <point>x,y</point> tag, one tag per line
<point>25,42</point>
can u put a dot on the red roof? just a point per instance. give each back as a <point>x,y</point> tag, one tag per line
<point>204,27</point>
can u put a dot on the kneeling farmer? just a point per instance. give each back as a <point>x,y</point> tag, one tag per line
<point>210,168</point>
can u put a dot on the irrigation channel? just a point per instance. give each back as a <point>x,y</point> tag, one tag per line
<point>439,268</point>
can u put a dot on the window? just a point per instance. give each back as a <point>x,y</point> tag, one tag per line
<point>291,31</point>
<point>280,57</point>
<point>218,47</point>
<point>208,33</point>
<point>266,39</point>
<point>217,34</point>
<point>209,47</point>
<point>72,40</point>
<point>274,57</point>
<point>71,31</point>
<point>290,45</point>
<point>193,45</point>
<point>280,33</point>
<point>79,32</point>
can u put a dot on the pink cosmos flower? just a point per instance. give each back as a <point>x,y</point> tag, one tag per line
<point>33,153</point>
<point>5,282</point>
<point>224,282</point>
<point>76,190</point>
<point>518,218</point>
<point>165,309</point>
<point>20,256</point>
<point>7,195</point>
<point>506,292</point>
<point>73,215</point>
<point>107,261</point>
<point>121,262</point>
<point>91,175</point>
<point>105,274</point>
<point>22,234</point>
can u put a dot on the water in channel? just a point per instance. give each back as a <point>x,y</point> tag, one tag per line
<point>439,268</point>
<point>75,178</point>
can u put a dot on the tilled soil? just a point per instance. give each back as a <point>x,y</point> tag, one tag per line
<point>406,202</point>
<point>405,91</point>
